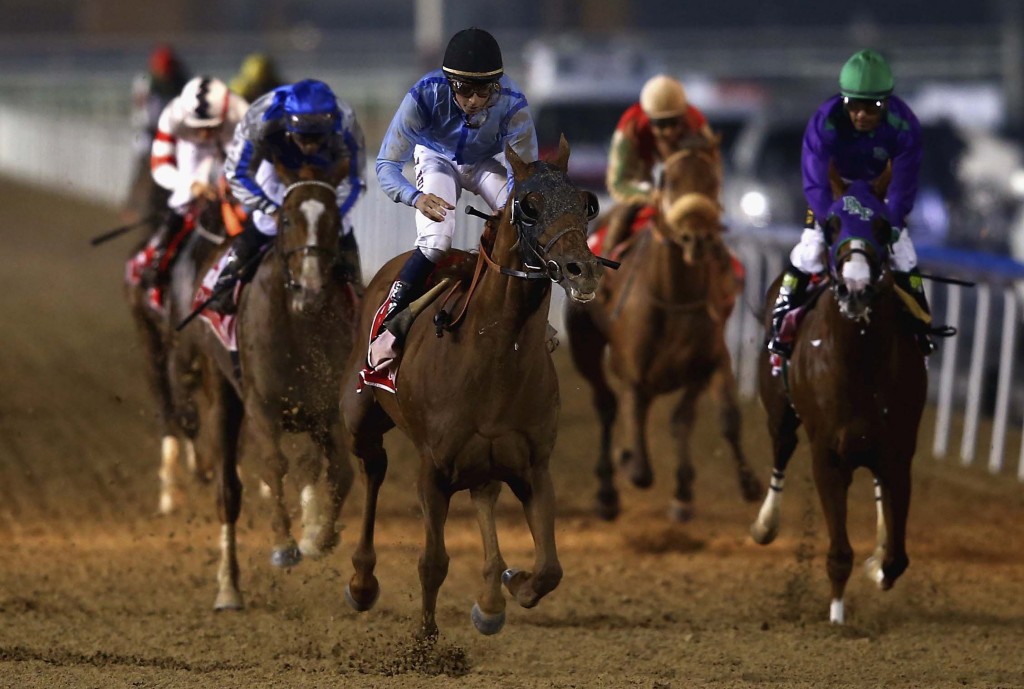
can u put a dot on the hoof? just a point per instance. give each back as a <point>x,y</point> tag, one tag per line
<point>608,511</point>
<point>487,624</point>
<point>751,488</point>
<point>761,534</point>
<point>228,600</point>
<point>361,606</point>
<point>680,511</point>
<point>286,557</point>
<point>509,574</point>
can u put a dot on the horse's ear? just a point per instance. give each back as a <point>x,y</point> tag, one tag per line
<point>881,184</point>
<point>835,181</point>
<point>830,228</point>
<point>520,169</point>
<point>562,161</point>
<point>882,231</point>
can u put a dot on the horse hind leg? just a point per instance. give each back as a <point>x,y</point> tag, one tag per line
<point>319,521</point>
<point>636,459</point>
<point>263,438</point>
<point>488,612</point>
<point>367,444</point>
<point>683,417</point>
<point>889,560</point>
<point>587,345</point>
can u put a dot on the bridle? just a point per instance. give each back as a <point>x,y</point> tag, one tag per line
<point>290,282</point>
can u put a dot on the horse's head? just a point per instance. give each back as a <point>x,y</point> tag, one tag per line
<point>858,234</point>
<point>695,167</point>
<point>308,231</point>
<point>693,222</point>
<point>550,216</point>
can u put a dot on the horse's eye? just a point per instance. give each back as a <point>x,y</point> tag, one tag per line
<point>590,204</point>
<point>529,208</point>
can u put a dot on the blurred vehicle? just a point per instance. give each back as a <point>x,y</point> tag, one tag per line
<point>763,184</point>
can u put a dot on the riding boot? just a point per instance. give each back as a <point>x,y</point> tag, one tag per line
<point>155,273</point>
<point>239,267</point>
<point>792,292</point>
<point>912,284</point>
<point>409,285</point>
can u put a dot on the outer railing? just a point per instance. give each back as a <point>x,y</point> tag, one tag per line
<point>972,376</point>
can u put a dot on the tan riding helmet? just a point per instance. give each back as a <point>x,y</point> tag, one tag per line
<point>663,96</point>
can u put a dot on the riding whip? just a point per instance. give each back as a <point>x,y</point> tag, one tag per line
<point>118,231</point>
<point>216,293</point>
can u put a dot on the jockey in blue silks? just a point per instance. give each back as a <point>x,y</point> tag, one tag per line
<point>454,124</point>
<point>300,124</point>
<point>860,132</point>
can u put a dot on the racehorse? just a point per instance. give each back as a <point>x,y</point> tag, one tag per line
<point>481,402</point>
<point>169,367</point>
<point>662,318</point>
<point>857,382</point>
<point>294,332</point>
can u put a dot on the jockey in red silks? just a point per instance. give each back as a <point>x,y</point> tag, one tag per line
<point>186,156</point>
<point>860,132</point>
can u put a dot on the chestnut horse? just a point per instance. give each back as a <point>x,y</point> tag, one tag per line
<point>169,364</point>
<point>857,382</point>
<point>294,332</point>
<point>662,317</point>
<point>481,403</point>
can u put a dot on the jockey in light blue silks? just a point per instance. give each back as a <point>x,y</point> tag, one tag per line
<point>454,123</point>
<point>860,132</point>
<point>295,125</point>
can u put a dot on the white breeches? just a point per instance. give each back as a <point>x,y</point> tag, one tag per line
<point>437,175</point>
<point>195,164</point>
<point>274,188</point>
<point>809,255</point>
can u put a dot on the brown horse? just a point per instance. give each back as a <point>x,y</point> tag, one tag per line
<point>481,403</point>
<point>662,317</point>
<point>294,333</point>
<point>170,367</point>
<point>857,382</point>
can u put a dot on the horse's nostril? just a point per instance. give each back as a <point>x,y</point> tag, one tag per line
<point>573,269</point>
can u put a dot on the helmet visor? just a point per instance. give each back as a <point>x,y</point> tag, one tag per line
<point>311,123</point>
<point>466,89</point>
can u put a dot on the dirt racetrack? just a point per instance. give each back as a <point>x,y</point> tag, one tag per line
<point>97,592</point>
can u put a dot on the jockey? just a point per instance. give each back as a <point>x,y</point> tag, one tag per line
<point>151,92</point>
<point>860,133</point>
<point>648,133</point>
<point>454,123</point>
<point>294,125</point>
<point>257,76</point>
<point>193,132</point>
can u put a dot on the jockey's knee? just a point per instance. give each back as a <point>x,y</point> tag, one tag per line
<point>435,251</point>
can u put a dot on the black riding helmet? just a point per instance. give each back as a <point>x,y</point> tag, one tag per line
<point>473,55</point>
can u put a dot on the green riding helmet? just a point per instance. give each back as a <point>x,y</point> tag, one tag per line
<point>866,75</point>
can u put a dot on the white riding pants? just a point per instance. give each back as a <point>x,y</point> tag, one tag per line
<point>809,255</point>
<point>438,175</point>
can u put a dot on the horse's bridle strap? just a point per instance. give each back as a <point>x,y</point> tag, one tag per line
<point>305,183</point>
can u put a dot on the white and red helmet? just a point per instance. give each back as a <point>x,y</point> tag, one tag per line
<point>204,102</point>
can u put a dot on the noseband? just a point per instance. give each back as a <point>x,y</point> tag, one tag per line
<point>290,282</point>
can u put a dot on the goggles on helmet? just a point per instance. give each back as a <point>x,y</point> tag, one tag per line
<point>311,123</point>
<point>872,105</point>
<point>467,89</point>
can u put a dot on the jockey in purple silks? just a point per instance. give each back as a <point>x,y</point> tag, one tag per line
<point>860,132</point>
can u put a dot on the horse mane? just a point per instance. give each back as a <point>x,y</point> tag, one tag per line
<point>694,204</point>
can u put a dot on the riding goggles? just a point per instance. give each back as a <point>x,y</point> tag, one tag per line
<point>872,105</point>
<point>467,89</point>
<point>311,123</point>
<point>667,122</point>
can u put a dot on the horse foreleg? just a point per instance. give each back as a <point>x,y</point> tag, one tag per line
<point>683,416</point>
<point>833,482</point>
<point>263,434</point>
<point>538,498</point>
<point>587,345</point>
<point>228,420</point>
<point>362,590</point>
<point>783,431</point>
<point>724,387</point>
<point>488,613</point>
<point>635,458</point>
<point>433,565</point>
<point>320,523</point>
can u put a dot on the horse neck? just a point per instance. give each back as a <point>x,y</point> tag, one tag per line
<point>515,300</point>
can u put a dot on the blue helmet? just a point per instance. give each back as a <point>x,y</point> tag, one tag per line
<point>310,107</point>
